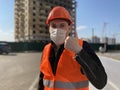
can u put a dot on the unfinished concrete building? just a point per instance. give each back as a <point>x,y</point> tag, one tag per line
<point>30,17</point>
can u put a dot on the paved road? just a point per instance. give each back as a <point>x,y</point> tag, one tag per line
<point>20,72</point>
<point>112,68</point>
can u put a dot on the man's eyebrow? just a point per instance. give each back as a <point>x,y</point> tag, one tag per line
<point>53,23</point>
<point>63,23</point>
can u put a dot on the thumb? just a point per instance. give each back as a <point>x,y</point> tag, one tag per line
<point>75,34</point>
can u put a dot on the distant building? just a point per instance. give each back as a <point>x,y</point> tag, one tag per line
<point>104,40</point>
<point>95,39</point>
<point>31,15</point>
<point>108,40</point>
<point>111,41</point>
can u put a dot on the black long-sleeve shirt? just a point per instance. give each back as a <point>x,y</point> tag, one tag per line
<point>92,68</point>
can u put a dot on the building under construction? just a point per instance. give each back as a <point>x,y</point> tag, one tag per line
<point>31,15</point>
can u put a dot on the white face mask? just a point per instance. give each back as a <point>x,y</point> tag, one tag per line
<point>58,36</point>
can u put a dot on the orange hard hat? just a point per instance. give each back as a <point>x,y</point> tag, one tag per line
<point>59,12</point>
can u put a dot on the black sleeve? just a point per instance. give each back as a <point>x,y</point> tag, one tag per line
<point>40,84</point>
<point>92,66</point>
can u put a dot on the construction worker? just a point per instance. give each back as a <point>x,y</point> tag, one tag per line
<point>68,63</point>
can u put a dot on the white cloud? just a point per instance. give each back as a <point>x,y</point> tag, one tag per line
<point>6,36</point>
<point>81,27</point>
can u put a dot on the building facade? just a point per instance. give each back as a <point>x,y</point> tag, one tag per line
<point>30,17</point>
<point>95,39</point>
<point>110,41</point>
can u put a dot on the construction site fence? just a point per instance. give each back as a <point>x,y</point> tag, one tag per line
<point>27,46</point>
<point>38,46</point>
<point>111,47</point>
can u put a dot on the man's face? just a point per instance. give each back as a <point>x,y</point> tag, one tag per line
<point>60,24</point>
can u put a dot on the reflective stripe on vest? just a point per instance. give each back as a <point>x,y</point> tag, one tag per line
<point>60,84</point>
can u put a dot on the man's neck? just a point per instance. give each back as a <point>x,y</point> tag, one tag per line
<point>56,47</point>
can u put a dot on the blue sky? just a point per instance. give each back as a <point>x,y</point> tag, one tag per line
<point>94,13</point>
<point>6,20</point>
<point>90,14</point>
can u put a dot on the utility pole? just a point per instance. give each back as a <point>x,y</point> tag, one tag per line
<point>103,31</point>
<point>103,36</point>
<point>93,35</point>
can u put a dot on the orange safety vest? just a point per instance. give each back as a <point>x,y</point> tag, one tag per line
<point>68,75</point>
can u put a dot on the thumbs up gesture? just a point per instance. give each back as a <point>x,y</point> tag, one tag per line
<point>71,43</point>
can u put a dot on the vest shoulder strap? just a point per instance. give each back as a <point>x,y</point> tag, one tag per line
<point>81,42</point>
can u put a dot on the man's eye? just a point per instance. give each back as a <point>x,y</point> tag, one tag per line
<point>53,26</point>
<point>62,25</point>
